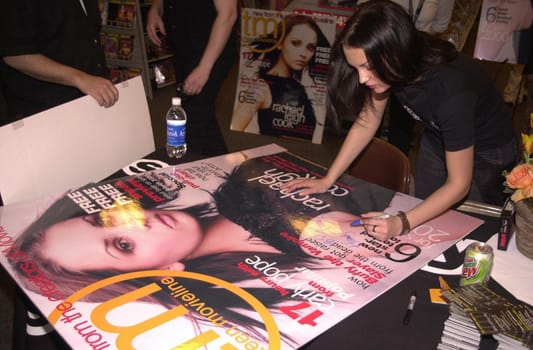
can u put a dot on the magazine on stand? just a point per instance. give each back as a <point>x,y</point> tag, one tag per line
<point>121,13</point>
<point>215,248</point>
<point>281,84</point>
<point>111,43</point>
<point>341,10</point>
<point>125,47</point>
<point>502,31</point>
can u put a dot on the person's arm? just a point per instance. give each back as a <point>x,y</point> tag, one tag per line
<point>459,166</point>
<point>43,68</point>
<point>359,136</point>
<point>154,22</point>
<point>219,35</point>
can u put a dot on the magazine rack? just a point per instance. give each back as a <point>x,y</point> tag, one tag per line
<point>127,50</point>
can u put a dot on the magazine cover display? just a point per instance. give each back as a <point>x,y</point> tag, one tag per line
<point>341,10</point>
<point>211,254</point>
<point>500,35</point>
<point>119,13</point>
<point>281,86</point>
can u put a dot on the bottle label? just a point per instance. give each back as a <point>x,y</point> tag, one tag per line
<point>176,133</point>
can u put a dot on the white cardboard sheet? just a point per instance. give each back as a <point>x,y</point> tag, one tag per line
<point>73,144</point>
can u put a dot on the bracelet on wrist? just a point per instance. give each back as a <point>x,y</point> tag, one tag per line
<point>406,227</point>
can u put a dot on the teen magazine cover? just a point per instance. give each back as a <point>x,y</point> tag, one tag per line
<point>281,84</point>
<point>502,34</point>
<point>211,254</point>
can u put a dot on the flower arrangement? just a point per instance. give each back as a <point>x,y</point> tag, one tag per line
<point>519,182</point>
<point>520,179</point>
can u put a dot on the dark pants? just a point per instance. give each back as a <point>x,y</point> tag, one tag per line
<point>203,133</point>
<point>487,181</point>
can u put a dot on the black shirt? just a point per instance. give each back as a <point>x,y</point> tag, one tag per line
<point>290,113</point>
<point>460,103</point>
<point>58,29</point>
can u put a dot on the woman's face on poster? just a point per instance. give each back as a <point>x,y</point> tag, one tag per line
<point>157,239</point>
<point>298,47</point>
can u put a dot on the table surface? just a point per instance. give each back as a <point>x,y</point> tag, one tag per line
<point>378,325</point>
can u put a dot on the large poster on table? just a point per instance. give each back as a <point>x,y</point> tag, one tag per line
<point>211,254</point>
<point>500,35</point>
<point>281,86</point>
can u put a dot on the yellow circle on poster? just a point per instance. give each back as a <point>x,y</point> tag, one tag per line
<point>274,339</point>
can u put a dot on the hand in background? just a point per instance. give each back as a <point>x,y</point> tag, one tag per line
<point>154,24</point>
<point>102,90</point>
<point>196,81</point>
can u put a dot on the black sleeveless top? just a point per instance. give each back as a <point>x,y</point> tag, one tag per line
<point>291,113</point>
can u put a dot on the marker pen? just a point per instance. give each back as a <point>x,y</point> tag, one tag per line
<point>360,221</point>
<point>410,308</point>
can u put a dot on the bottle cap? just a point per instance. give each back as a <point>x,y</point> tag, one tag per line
<point>176,101</point>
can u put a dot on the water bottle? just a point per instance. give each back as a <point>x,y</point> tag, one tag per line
<point>176,125</point>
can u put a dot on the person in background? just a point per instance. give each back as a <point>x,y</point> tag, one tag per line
<point>51,54</point>
<point>202,37</point>
<point>430,16</point>
<point>468,138</point>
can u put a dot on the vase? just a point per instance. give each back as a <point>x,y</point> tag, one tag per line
<point>524,228</point>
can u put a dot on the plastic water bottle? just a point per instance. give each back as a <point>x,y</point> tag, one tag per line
<point>176,126</point>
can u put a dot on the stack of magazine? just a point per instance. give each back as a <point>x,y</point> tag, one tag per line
<point>477,311</point>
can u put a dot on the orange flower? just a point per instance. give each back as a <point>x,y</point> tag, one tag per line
<point>523,193</point>
<point>528,191</point>
<point>517,196</point>
<point>520,177</point>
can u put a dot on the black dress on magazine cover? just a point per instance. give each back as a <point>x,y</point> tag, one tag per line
<point>288,98</point>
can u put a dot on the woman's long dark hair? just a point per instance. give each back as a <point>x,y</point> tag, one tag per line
<point>285,26</point>
<point>398,53</point>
